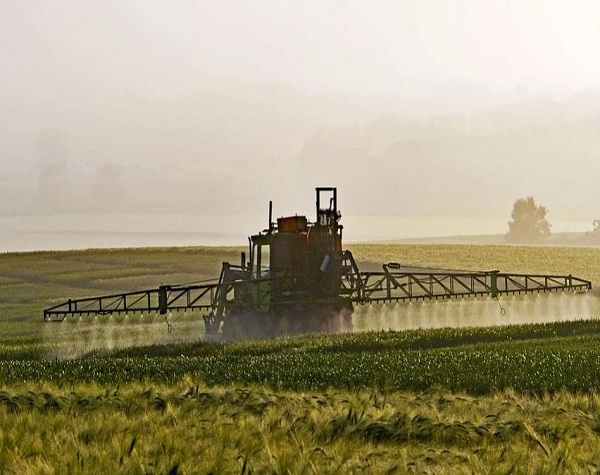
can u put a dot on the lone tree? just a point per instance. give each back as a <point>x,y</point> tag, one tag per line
<point>593,236</point>
<point>528,223</point>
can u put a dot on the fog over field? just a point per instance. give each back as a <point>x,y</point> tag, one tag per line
<point>412,109</point>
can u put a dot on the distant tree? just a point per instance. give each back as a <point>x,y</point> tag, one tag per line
<point>592,237</point>
<point>528,223</point>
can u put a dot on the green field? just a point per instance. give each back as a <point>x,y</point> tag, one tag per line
<point>108,395</point>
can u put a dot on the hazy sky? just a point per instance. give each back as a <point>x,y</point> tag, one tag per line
<point>366,47</point>
<point>111,95</point>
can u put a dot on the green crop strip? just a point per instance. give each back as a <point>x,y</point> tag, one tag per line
<point>533,360</point>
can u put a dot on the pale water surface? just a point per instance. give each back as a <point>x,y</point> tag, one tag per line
<point>64,232</point>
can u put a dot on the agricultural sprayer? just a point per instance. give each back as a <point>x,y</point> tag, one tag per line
<point>297,278</point>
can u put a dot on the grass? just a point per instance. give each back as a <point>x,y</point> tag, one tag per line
<point>115,396</point>
<point>191,428</point>
<point>534,359</point>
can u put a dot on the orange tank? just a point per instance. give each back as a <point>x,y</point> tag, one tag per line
<point>292,224</point>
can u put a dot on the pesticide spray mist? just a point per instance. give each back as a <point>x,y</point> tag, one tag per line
<point>79,336</point>
<point>477,312</point>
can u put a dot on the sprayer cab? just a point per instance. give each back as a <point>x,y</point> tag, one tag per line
<point>302,257</point>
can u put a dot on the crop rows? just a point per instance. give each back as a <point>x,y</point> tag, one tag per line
<point>387,361</point>
<point>189,428</point>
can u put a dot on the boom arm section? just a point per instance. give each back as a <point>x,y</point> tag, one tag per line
<point>210,299</point>
<point>396,284</point>
<point>165,298</point>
